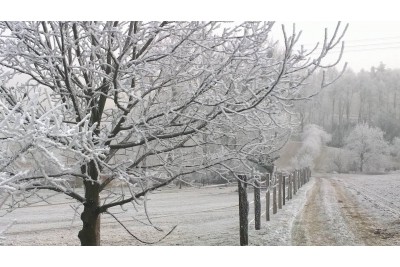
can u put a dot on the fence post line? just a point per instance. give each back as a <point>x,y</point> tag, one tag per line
<point>300,183</point>
<point>302,176</point>
<point>292,188</point>
<point>284,190</point>
<point>298,180</point>
<point>243,210</point>
<point>257,205</point>
<point>307,175</point>
<point>280,190</point>
<point>274,204</point>
<point>267,197</point>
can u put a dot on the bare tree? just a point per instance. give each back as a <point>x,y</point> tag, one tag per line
<point>369,146</point>
<point>129,103</point>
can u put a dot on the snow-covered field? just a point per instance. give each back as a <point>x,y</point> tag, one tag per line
<point>205,216</point>
<point>378,194</point>
<point>348,209</point>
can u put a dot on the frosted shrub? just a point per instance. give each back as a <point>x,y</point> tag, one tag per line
<point>395,148</point>
<point>369,147</point>
<point>313,138</point>
<point>343,161</point>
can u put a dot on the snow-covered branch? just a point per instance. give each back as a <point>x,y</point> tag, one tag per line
<point>140,104</point>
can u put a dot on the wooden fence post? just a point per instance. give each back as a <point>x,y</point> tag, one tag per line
<point>243,210</point>
<point>294,183</point>
<point>307,175</point>
<point>274,206</point>
<point>290,186</point>
<point>298,180</point>
<point>284,190</point>
<point>268,197</point>
<point>280,191</point>
<point>257,205</point>
<point>301,177</point>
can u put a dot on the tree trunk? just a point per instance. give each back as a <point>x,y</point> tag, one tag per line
<point>280,191</point>
<point>243,211</point>
<point>257,205</point>
<point>90,233</point>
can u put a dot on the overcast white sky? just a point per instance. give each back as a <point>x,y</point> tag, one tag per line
<point>370,39</point>
<point>367,43</point>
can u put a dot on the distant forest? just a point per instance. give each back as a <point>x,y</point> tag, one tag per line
<point>370,97</point>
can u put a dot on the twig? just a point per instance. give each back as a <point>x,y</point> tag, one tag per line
<point>138,239</point>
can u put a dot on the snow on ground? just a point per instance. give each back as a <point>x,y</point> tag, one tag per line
<point>323,220</point>
<point>205,216</point>
<point>277,232</point>
<point>377,194</point>
<point>350,210</point>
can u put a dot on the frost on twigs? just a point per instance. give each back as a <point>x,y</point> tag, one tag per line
<point>313,139</point>
<point>128,107</point>
<point>369,147</point>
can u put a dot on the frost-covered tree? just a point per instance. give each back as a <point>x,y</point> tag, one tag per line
<point>395,152</point>
<point>395,147</point>
<point>313,138</point>
<point>141,104</point>
<point>343,160</point>
<point>369,146</point>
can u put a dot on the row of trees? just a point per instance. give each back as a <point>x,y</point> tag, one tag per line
<point>369,148</point>
<point>141,104</point>
<point>365,149</point>
<point>370,97</point>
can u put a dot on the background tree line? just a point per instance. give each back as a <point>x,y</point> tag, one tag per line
<point>357,106</point>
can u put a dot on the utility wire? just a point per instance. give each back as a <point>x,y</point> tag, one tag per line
<point>366,49</point>
<point>348,49</point>
<point>360,40</point>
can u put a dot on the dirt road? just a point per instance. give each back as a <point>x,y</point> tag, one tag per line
<point>339,212</point>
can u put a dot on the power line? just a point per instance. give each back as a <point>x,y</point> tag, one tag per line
<point>372,44</point>
<point>372,39</point>
<point>363,45</point>
<point>365,49</point>
<point>354,49</point>
<point>361,40</point>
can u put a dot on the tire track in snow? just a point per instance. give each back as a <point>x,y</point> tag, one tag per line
<point>373,197</point>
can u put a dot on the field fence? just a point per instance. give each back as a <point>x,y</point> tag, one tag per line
<point>280,188</point>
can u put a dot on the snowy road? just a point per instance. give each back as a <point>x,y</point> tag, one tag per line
<point>350,210</point>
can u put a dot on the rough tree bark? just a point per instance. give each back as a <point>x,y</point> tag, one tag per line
<point>89,235</point>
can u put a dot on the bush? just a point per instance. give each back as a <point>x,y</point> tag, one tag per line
<point>369,147</point>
